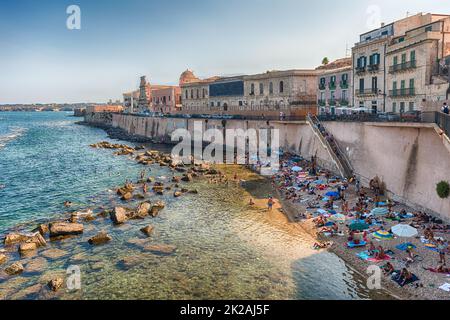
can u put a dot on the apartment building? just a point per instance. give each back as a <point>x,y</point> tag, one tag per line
<point>335,87</point>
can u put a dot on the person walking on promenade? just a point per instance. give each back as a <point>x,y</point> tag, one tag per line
<point>445,109</point>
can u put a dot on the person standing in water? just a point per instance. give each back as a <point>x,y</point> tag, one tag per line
<point>270,203</point>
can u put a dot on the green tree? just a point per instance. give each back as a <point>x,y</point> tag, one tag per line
<point>325,61</point>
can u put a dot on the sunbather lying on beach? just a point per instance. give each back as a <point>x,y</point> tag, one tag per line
<point>405,276</point>
<point>388,268</point>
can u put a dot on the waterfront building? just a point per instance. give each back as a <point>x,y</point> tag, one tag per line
<point>335,87</point>
<point>130,101</point>
<point>292,92</point>
<point>144,96</point>
<point>165,99</point>
<point>370,65</point>
<point>416,77</point>
<point>103,108</point>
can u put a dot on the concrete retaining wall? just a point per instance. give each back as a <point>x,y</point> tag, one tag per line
<point>410,159</point>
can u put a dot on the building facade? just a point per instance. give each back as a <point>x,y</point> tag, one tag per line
<point>335,88</point>
<point>415,61</point>
<point>370,65</point>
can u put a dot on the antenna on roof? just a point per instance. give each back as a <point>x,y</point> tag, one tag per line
<point>347,51</point>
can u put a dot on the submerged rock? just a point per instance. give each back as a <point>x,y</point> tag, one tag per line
<point>100,238</point>
<point>187,177</point>
<point>160,248</point>
<point>15,269</point>
<point>129,262</point>
<point>127,196</point>
<point>36,265</point>
<point>42,229</point>
<point>28,246</point>
<point>119,215</point>
<point>147,230</point>
<point>177,194</point>
<point>65,229</point>
<point>54,253</point>
<point>143,210</point>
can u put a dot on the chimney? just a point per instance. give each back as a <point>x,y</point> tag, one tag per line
<point>383,24</point>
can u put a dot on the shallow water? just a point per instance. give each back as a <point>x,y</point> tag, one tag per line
<point>224,249</point>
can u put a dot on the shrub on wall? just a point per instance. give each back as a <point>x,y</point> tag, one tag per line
<point>443,189</point>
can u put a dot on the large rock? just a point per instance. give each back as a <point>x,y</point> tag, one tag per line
<point>177,194</point>
<point>156,208</point>
<point>14,269</point>
<point>15,238</point>
<point>42,229</point>
<point>100,238</point>
<point>176,179</point>
<point>142,210</point>
<point>55,284</point>
<point>147,230</point>
<point>65,229</point>
<point>3,258</point>
<point>39,240</point>
<point>27,247</point>
<point>160,249</point>
<point>127,196</point>
<point>119,215</point>
<point>187,177</point>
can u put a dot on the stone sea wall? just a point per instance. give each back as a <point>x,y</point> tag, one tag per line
<point>410,158</point>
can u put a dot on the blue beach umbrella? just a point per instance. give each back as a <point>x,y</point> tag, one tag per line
<point>384,235</point>
<point>332,194</point>
<point>379,211</point>
<point>296,169</point>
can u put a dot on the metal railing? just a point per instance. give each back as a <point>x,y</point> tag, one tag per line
<point>365,92</point>
<point>404,92</point>
<point>402,66</point>
<point>443,121</point>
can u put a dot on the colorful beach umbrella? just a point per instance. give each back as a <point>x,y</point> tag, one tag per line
<point>379,211</point>
<point>296,169</point>
<point>404,230</point>
<point>383,235</point>
<point>358,226</point>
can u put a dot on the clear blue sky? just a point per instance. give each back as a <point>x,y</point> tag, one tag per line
<point>42,61</point>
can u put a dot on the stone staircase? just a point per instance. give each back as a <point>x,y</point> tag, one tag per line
<point>332,147</point>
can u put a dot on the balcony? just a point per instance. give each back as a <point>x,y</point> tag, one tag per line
<point>343,102</point>
<point>322,86</point>
<point>332,85</point>
<point>405,92</point>
<point>367,92</point>
<point>332,102</point>
<point>374,67</point>
<point>402,66</point>
<point>360,70</point>
<point>322,103</point>
<point>344,84</point>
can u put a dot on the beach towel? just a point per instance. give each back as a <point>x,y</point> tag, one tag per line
<point>386,258</point>
<point>405,246</point>
<point>364,255</point>
<point>397,279</point>
<point>431,247</point>
<point>354,245</point>
<point>445,287</point>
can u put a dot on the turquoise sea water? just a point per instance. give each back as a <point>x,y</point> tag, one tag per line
<point>224,249</point>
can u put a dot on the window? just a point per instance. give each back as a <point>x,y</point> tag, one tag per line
<point>402,107</point>
<point>261,88</point>
<point>186,94</point>
<point>403,57</point>
<point>413,55</point>
<point>374,84</point>
<point>271,88</point>
<point>361,85</point>
<point>252,89</point>
<point>169,98</point>
<point>240,103</point>
<point>333,79</point>
<point>429,29</point>
<point>345,77</point>
<point>212,104</point>
<point>218,103</point>
<point>192,93</point>
<point>401,39</point>
<point>344,95</point>
<point>322,81</point>
<point>394,87</point>
<point>394,107</point>
<point>281,86</point>
<point>411,106</point>
<point>411,83</point>
<point>385,33</point>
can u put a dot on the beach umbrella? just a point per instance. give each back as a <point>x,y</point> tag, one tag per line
<point>383,235</point>
<point>332,194</point>
<point>379,211</point>
<point>338,217</point>
<point>404,230</point>
<point>296,169</point>
<point>358,226</point>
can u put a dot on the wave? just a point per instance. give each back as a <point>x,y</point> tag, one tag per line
<point>14,133</point>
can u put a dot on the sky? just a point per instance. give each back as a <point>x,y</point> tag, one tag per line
<point>43,61</point>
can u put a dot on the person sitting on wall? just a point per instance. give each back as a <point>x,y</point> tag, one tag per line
<point>445,109</point>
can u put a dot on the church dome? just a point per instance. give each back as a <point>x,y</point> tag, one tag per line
<point>187,76</point>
